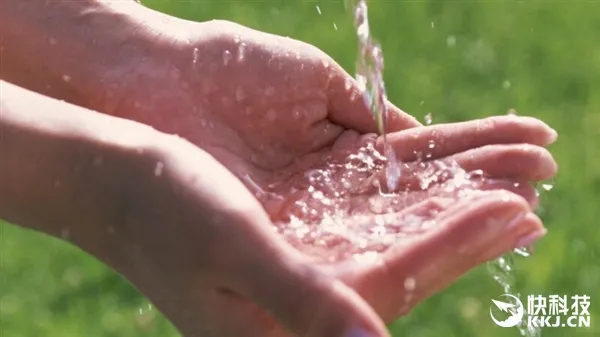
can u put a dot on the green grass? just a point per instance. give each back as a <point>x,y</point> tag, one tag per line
<point>541,58</point>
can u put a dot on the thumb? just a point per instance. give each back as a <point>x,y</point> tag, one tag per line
<point>303,299</point>
<point>347,106</point>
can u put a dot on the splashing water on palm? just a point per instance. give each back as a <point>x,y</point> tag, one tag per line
<point>369,74</point>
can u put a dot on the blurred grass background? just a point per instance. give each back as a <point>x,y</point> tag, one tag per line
<point>456,59</point>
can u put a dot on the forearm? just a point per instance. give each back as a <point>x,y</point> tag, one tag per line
<point>79,51</point>
<point>63,168</point>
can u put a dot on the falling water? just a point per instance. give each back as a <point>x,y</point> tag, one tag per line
<point>369,75</point>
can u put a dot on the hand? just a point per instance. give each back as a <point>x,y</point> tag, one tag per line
<point>146,70</point>
<point>270,109</point>
<point>198,239</point>
<point>159,210</point>
<point>227,80</point>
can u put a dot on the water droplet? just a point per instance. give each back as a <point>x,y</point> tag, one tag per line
<point>66,78</point>
<point>547,186</point>
<point>65,233</point>
<point>226,57</point>
<point>296,113</point>
<point>241,52</point>
<point>410,284</point>
<point>195,55</point>
<point>269,91</point>
<point>523,251</point>
<point>240,94</point>
<point>512,112</point>
<point>145,316</point>
<point>318,9</point>
<point>431,144</point>
<point>271,115</point>
<point>258,191</point>
<point>428,118</point>
<point>335,27</point>
<point>348,84</point>
<point>158,169</point>
<point>451,41</point>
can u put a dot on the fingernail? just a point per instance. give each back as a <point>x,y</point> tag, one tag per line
<point>359,332</point>
<point>530,238</point>
<point>553,135</point>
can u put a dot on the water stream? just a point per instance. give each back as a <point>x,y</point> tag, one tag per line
<point>369,75</point>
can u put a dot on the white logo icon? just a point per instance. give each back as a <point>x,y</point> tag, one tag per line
<point>514,309</point>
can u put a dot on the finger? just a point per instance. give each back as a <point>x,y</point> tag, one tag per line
<point>443,140</point>
<point>304,300</point>
<point>502,247</point>
<point>495,250</point>
<point>347,107</point>
<point>520,161</point>
<point>521,188</point>
<point>460,231</point>
<point>398,120</point>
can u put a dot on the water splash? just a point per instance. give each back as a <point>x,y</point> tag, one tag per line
<point>502,271</point>
<point>341,210</point>
<point>428,118</point>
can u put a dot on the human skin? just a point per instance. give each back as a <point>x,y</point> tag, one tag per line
<point>156,209</point>
<point>270,108</point>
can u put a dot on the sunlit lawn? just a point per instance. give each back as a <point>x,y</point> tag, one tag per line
<point>456,59</point>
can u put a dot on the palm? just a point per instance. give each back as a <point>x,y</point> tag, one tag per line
<point>284,186</point>
<point>280,188</point>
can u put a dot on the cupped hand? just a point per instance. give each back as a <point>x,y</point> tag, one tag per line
<point>278,114</point>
